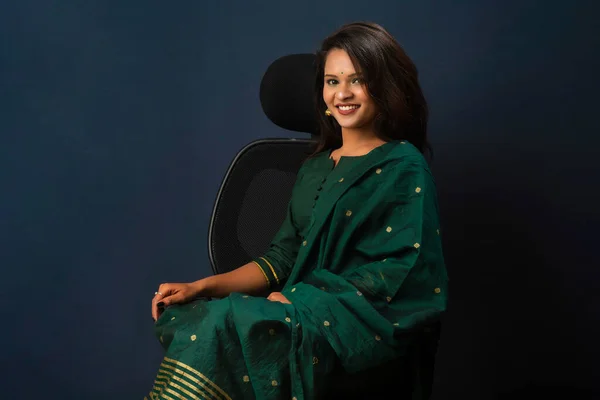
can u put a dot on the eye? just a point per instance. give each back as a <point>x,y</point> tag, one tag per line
<point>357,81</point>
<point>331,82</point>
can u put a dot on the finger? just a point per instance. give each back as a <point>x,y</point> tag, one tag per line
<point>282,299</point>
<point>155,300</point>
<point>158,307</point>
<point>163,289</point>
<point>277,296</point>
<point>170,300</point>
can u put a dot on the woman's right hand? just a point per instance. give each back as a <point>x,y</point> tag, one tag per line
<point>245,279</point>
<point>172,293</point>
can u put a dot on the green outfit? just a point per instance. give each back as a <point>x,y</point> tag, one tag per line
<point>359,256</point>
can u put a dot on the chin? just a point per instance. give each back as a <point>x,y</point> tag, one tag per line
<point>352,125</point>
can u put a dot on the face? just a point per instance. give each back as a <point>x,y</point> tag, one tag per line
<point>345,93</point>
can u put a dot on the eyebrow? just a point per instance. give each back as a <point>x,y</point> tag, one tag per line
<point>335,76</point>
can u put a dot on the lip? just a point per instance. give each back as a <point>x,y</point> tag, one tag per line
<point>348,112</point>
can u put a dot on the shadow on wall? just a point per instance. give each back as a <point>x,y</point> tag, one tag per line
<point>513,315</point>
<point>557,392</point>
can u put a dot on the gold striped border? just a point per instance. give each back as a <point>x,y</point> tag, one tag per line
<point>165,388</point>
<point>154,396</point>
<point>169,386</point>
<point>190,377</point>
<point>210,384</point>
<point>160,395</point>
<point>272,269</point>
<point>263,271</point>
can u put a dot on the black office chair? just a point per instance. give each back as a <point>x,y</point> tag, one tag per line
<point>251,205</point>
<point>252,201</point>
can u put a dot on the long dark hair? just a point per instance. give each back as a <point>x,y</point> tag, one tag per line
<point>391,79</point>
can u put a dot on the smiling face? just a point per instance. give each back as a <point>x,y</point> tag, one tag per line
<point>345,93</point>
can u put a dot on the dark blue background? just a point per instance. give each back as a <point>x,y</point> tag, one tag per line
<point>118,120</point>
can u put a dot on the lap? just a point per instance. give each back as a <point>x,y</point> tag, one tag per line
<point>247,316</point>
<point>242,344</point>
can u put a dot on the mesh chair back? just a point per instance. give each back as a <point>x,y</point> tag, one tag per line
<point>253,199</point>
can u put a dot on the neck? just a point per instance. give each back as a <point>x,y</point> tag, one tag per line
<point>353,139</point>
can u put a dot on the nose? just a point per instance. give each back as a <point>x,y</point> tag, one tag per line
<point>343,93</point>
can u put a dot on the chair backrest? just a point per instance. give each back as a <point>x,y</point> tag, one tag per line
<point>253,199</point>
<point>254,195</point>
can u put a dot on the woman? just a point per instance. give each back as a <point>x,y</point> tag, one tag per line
<point>357,264</point>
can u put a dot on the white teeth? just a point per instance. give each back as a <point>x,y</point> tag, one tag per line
<point>347,108</point>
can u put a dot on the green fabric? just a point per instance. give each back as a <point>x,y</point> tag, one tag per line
<point>359,256</point>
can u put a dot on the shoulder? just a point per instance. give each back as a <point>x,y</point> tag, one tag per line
<point>403,149</point>
<point>315,161</point>
<point>403,156</point>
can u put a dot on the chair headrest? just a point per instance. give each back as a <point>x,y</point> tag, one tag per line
<point>286,93</point>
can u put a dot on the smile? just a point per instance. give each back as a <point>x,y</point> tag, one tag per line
<point>347,109</point>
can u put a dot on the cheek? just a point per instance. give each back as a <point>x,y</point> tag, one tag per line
<point>370,110</point>
<point>368,101</point>
<point>327,95</point>
<point>373,111</point>
<point>364,96</point>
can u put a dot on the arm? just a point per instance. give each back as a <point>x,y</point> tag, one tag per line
<point>245,279</point>
<point>277,262</point>
<point>255,277</point>
<point>279,259</point>
<point>264,273</point>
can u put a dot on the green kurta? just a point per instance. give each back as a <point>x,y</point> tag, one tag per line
<point>359,256</point>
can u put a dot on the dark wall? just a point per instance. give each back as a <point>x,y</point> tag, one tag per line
<point>118,121</point>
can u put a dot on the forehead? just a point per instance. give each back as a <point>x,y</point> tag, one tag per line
<point>338,61</point>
